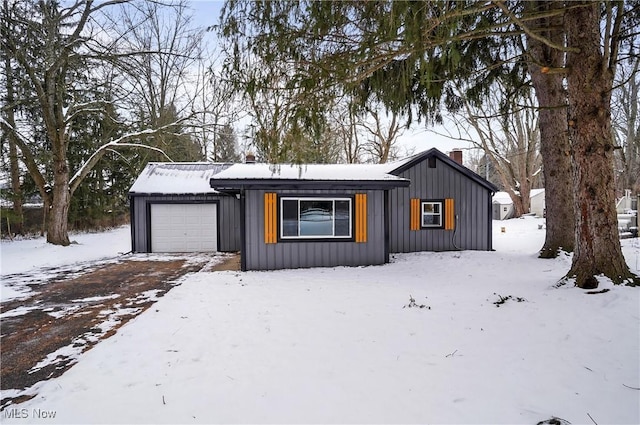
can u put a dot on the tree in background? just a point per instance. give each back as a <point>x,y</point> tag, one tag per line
<point>289,122</point>
<point>506,129</point>
<point>63,54</point>
<point>226,146</point>
<point>219,104</point>
<point>626,126</point>
<point>344,121</point>
<point>158,75</point>
<point>47,52</point>
<point>8,139</point>
<point>381,137</point>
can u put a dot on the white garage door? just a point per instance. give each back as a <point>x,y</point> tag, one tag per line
<point>183,227</point>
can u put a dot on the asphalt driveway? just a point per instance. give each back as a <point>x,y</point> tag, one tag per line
<point>70,309</point>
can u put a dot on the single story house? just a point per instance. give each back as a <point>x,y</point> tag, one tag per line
<point>291,216</point>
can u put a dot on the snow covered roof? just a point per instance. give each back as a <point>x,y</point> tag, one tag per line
<point>307,172</point>
<point>203,177</point>
<point>502,198</point>
<point>176,178</point>
<point>535,192</point>
<point>335,175</point>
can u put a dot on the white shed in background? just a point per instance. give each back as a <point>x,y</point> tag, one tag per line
<point>627,202</point>
<point>502,206</point>
<point>537,202</point>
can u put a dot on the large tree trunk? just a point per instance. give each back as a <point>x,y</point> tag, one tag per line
<point>521,202</point>
<point>57,232</point>
<point>544,64</point>
<point>589,82</point>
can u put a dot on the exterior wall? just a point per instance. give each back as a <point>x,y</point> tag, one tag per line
<point>626,203</point>
<point>472,203</point>
<point>538,203</point>
<point>228,218</point>
<point>258,255</point>
<point>502,211</point>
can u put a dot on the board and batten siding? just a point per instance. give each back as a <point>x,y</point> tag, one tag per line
<point>471,201</point>
<point>263,251</point>
<point>228,218</point>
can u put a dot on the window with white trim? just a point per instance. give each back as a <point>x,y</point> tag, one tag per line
<point>315,218</point>
<point>431,212</point>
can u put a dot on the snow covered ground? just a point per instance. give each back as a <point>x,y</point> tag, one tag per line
<point>34,258</point>
<point>494,342</point>
<point>32,254</point>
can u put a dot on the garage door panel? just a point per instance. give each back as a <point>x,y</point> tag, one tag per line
<point>183,227</point>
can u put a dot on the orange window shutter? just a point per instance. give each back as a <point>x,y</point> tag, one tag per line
<point>449,214</point>
<point>270,218</point>
<point>414,214</point>
<point>361,217</point>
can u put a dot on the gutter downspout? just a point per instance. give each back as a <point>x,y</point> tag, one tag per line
<point>243,236</point>
<point>490,223</point>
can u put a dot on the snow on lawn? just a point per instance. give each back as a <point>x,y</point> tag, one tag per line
<point>31,256</point>
<point>494,342</point>
<point>26,255</point>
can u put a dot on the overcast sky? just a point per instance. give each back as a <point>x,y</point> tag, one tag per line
<point>418,138</point>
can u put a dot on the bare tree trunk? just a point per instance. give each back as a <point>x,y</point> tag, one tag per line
<point>589,82</point>
<point>554,138</point>
<point>522,202</point>
<point>631,150</point>
<point>382,144</point>
<point>57,223</point>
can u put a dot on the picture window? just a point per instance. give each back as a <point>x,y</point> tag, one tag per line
<point>313,218</point>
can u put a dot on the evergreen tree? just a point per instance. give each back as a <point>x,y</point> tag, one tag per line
<point>404,54</point>
<point>226,146</point>
<point>555,148</point>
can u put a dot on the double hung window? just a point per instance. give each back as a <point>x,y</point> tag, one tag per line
<point>315,218</point>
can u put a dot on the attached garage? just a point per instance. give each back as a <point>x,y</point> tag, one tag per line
<point>184,227</point>
<point>173,209</point>
<point>312,215</point>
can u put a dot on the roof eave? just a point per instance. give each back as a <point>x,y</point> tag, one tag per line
<point>230,184</point>
<point>132,194</point>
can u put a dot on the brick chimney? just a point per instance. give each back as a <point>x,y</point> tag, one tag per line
<point>249,158</point>
<point>456,155</point>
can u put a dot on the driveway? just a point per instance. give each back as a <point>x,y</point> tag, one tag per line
<point>67,310</point>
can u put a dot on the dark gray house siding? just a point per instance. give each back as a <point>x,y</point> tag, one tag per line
<point>228,217</point>
<point>386,210</point>
<point>435,176</point>
<point>258,255</point>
